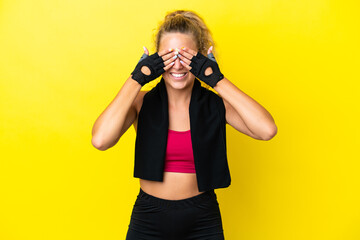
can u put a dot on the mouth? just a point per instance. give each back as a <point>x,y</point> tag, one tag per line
<point>179,76</point>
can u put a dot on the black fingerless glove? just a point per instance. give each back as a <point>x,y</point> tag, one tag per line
<point>200,63</point>
<point>155,64</point>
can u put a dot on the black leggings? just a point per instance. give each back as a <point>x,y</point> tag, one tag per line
<point>194,218</point>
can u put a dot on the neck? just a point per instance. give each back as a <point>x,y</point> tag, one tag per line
<point>178,98</point>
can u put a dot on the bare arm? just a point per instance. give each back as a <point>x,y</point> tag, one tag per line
<point>117,117</point>
<point>121,112</point>
<point>256,118</point>
<point>242,112</point>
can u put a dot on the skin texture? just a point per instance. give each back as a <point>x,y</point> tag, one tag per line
<point>242,112</point>
<point>175,185</point>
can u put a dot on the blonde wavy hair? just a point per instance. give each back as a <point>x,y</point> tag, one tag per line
<point>189,22</point>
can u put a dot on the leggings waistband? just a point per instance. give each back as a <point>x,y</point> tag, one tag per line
<point>210,194</point>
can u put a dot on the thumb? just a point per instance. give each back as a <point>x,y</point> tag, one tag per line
<point>146,51</point>
<point>210,50</point>
<point>211,55</point>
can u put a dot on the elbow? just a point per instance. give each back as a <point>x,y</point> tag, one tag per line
<point>270,133</point>
<point>97,143</point>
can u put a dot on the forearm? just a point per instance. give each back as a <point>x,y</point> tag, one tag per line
<point>257,118</point>
<point>108,125</point>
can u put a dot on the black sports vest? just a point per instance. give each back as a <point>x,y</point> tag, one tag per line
<point>208,136</point>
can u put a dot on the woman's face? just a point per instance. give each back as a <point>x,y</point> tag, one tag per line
<point>177,40</point>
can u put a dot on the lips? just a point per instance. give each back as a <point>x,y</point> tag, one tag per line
<point>178,75</point>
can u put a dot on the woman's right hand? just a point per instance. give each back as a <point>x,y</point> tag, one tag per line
<point>151,67</point>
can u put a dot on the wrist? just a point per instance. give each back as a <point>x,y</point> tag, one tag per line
<point>214,79</point>
<point>135,81</point>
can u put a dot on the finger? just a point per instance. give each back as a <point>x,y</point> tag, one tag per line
<point>185,65</point>
<point>169,61</point>
<point>187,52</point>
<point>166,51</point>
<point>146,51</point>
<point>168,56</point>
<point>167,67</point>
<point>184,59</point>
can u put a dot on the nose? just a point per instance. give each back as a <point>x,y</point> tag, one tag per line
<point>177,64</point>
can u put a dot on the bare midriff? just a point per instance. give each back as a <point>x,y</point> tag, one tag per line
<point>175,186</point>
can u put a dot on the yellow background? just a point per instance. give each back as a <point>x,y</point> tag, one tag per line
<point>62,62</point>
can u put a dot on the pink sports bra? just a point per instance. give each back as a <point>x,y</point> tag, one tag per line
<point>179,153</point>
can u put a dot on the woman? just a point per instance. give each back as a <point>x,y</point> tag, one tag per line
<point>180,154</point>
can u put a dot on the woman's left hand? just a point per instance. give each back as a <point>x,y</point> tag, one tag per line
<point>205,68</point>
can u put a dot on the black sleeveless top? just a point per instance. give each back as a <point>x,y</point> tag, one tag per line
<point>208,136</point>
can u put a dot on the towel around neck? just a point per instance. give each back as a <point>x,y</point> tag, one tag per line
<point>208,136</point>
